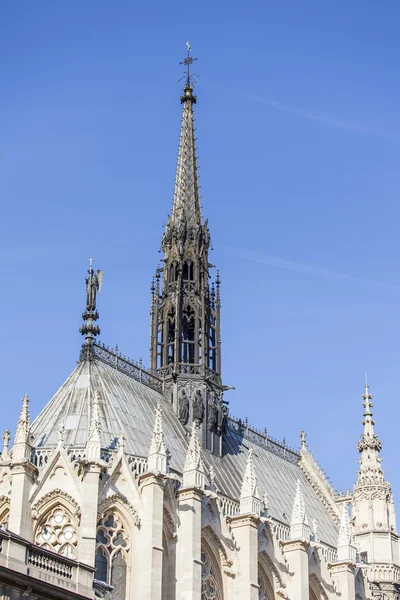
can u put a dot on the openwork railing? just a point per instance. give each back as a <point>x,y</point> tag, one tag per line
<point>138,465</point>
<point>40,457</point>
<point>188,369</point>
<point>42,560</point>
<point>135,370</point>
<point>262,439</point>
<point>229,507</point>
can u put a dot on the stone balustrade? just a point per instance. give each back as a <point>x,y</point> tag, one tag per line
<point>25,566</point>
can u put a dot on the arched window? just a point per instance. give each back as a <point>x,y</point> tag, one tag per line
<point>188,271</point>
<point>112,548</point>
<point>172,273</point>
<point>210,588</point>
<point>57,531</point>
<point>188,334</point>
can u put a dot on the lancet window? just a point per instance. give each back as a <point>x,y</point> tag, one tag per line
<point>57,532</point>
<point>188,333</point>
<point>112,551</point>
<point>210,589</point>
<point>188,271</point>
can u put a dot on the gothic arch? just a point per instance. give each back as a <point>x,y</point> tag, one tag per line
<point>317,591</point>
<point>266,590</point>
<point>113,555</point>
<point>122,505</point>
<point>214,542</point>
<point>57,528</point>
<point>54,498</point>
<point>272,574</point>
<point>212,587</point>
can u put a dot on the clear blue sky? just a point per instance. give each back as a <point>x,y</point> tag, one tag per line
<point>298,129</point>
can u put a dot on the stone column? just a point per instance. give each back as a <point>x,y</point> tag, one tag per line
<point>90,498</point>
<point>245,531</point>
<point>296,553</point>
<point>22,479</point>
<point>343,575</point>
<point>188,567</point>
<point>152,489</point>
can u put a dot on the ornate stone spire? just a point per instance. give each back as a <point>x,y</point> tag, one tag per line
<point>299,525</point>
<point>93,444</point>
<point>22,446</point>
<point>90,316</point>
<point>346,551</point>
<point>372,499</point>
<point>157,459</point>
<point>5,455</point>
<point>193,472</point>
<point>250,500</point>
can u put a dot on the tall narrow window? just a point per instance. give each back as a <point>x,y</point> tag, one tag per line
<point>188,334</point>
<point>112,548</point>
<point>210,590</point>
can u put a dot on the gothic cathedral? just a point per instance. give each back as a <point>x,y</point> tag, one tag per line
<point>137,484</point>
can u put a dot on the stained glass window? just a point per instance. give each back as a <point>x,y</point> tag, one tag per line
<point>112,544</point>
<point>57,532</point>
<point>209,587</point>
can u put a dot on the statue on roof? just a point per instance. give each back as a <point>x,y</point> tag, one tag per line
<point>183,407</point>
<point>93,285</point>
<point>198,408</point>
<point>222,421</point>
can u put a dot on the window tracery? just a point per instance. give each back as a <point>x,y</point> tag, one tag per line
<point>112,548</point>
<point>58,532</point>
<point>209,586</point>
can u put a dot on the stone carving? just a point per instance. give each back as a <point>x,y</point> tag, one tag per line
<point>222,418</point>
<point>116,499</point>
<point>93,285</point>
<point>212,414</point>
<point>183,408</point>
<point>55,495</point>
<point>198,408</point>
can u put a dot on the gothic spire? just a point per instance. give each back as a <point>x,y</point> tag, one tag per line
<point>346,550</point>
<point>369,445</point>
<point>193,471</point>
<point>157,459</point>
<point>6,443</point>
<point>186,201</point>
<point>299,525</point>
<point>250,500</point>
<point>22,442</point>
<point>372,498</point>
<point>90,315</point>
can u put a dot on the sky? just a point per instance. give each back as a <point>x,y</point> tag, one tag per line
<point>298,128</point>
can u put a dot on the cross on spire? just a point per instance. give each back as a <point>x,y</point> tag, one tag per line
<point>188,61</point>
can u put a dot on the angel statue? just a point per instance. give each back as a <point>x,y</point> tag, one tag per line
<point>93,285</point>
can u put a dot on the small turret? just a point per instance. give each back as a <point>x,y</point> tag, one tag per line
<point>299,524</point>
<point>22,445</point>
<point>250,500</point>
<point>193,472</point>
<point>157,459</point>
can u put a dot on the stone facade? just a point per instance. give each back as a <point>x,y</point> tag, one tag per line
<point>137,484</point>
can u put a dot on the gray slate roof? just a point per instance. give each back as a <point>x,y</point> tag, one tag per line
<point>128,406</point>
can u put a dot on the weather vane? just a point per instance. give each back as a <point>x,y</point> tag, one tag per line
<point>188,62</point>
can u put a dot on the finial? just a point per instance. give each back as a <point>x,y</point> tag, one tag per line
<point>93,287</point>
<point>367,399</point>
<point>303,437</point>
<point>6,440</point>
<point>61,433</point>
<point>188,61</point>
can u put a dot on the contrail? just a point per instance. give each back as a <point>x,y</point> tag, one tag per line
<point>290,265</point>
<point>304,113</point>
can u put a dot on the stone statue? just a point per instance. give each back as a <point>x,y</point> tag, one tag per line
<point>183,407</point>
<point>93,285</point>
<point>222,420</point>
<point>198,408</point>
<point>212,415</point>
